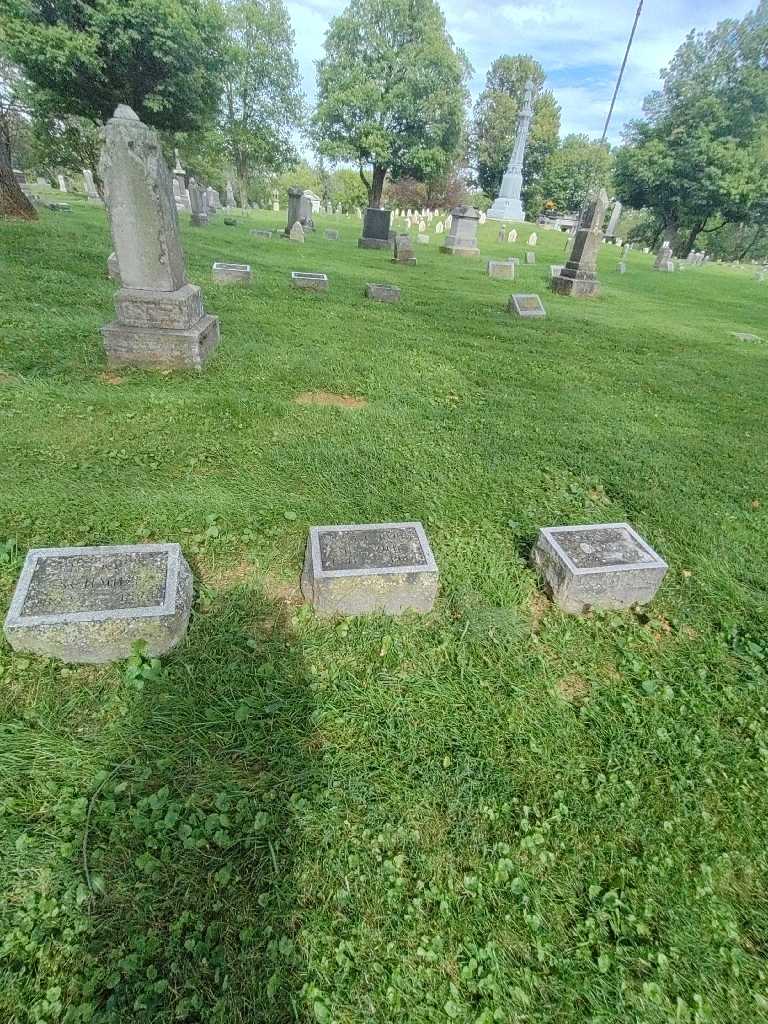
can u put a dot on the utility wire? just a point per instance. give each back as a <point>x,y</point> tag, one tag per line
<point>621,72</point>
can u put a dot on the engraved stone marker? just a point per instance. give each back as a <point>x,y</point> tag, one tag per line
<point>501,268</point>
<point>383,292</point>
<point>664,261</point>
<point>160,317</point>
<point>526,306</point>
<point>579,276</point>
<point>92,604</point>
<point>309,282</point>
<point>260,233</point>
<point>403,248</point>
<point>296,233</point>
<point>462,238</point>
<point>530,257</point>
<point>603,565</point>
<point>232,273</point>
<point>375,229</point>
<point>378,567</point>
<point>197,206</point>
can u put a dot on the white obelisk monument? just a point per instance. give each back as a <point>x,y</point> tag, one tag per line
<point>508,205</point>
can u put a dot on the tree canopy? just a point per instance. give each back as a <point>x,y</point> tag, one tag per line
<point>391,91</point>
<point>699,152</point>
<point>576,166</point>
<point>162,57</point>
<point>494,123</point>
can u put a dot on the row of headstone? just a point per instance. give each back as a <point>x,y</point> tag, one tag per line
<point>93,604</point>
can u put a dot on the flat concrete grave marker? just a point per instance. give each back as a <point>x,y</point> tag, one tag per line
<point>743,336</point>
<point>526,306</point>
<point>260,233</point>
<point>308,281</point>
<point>60,207</point>
<point>376,567</point>
<point>501,268</point>
<point>92,604</point>
<point>602,565</point>
<point>383,292</point>
<point>232,273</point>
<point>331,234</point>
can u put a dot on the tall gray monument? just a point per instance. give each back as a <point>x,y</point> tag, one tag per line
<point>160,317</point>
<point>579,275</point>
<point>508,205</point>
<point>613,223</point>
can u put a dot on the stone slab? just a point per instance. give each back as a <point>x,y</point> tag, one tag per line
<point>530,257</point>
<point>374,243</point>
<point>383,292</point>
<point>310,282</point>
<point>501,268</point>
<point>144,307</point>
<point>259,233</point>
<point>91,604</point>
<point>578,287</point>
<point>602,565</point>
<point>231,273</point>
<point>156,348</point>
<point>422,239</point>
<point>526,306</point>
<point>370,568</point>
<point>331,234</point>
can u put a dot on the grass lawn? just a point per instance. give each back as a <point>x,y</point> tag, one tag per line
<point>494,813</point>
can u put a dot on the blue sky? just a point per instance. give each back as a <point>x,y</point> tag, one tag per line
<point>580,44</point>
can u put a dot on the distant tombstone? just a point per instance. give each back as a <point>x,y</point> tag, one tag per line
<point>664,261</point>
<point>160,317</point>
<point>439,228</point>
<point>579,276</point>
<point>382,292</point>
<point>331,235</point>
<point>230,196</point>
<point>448,222</point>
<point>462,238</point>
<point>526,306</point>
<point>314,200</point>
<point>483,218</point>
<point>617,241</point>
<point>533,238</point>
<point>422,226</point>
<point>422,239</point>
<point>231,273</point>
<point>309,281</point>
<point>621,266</point>
<point>555,269</point>
<point>408,223</point>
<point>530,257</point>
<point>646,250</point>
<point>501,268</point>
<point>296,234</point>
<point>375,229</point>
<point>260,233</point>
<point>113,268</point>
<point>275,205</point>
<point>613,223</point>
<point>403,249</point>
<point>199,215</point>
<point>367,569</point>
<point>92,604</point>
<point>60,207</point>
<point>90,185</point>
<point>62,183</point>
<point>358,213</point>
<point>339,209</point>
<point>502,235</point>
<point>606,566</point>
<point>212,198</point>
<point>512,236</point>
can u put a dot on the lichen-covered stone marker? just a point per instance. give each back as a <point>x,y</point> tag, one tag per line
<point>383,292</point>
<point>160,317</point>
<point>364,569</point>
<point>603,565</point>
<point>232,273</point>
<point>501,268</point>
<point>526,306</point>
<point>92,604</point>
<point>309,282</point>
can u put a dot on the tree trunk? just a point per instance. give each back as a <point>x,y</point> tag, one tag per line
<point>13,202</point>
<point>379,174</point>
<point>688,244</point>
<point>755,238</point>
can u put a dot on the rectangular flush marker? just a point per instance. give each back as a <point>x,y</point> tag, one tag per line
<point>311,282</point>
<point>375,567</point>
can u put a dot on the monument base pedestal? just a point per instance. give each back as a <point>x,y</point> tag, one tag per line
<point>506,209</point>
<point>158,348</point>
<point>459,250</point>
<point>374,243</point>
<point>578,287</point>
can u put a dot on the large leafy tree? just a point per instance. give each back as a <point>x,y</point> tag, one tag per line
<point>162,57</point>
<point>262,101</point>
<point>697,158</point>
<point>391,91</point>
<point>494,123</point>
<point>571,171</point>
<point>13,202</point>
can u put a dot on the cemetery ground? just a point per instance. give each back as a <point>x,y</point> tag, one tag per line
<point>492,813</point>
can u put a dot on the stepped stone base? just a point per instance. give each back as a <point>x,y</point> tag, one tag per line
<point>374,243</point>
<point>579,287</point>
<point>161,348</point>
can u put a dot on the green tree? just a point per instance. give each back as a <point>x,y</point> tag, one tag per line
<point>262,102</point>
<point>162,57</point>
<point>391,91</point>
<point>494,123</point>
<point>698,154</point>
<point>346,188</point>
<point>63,141</point>
<point>13,202</point>
<point>570,172</point>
